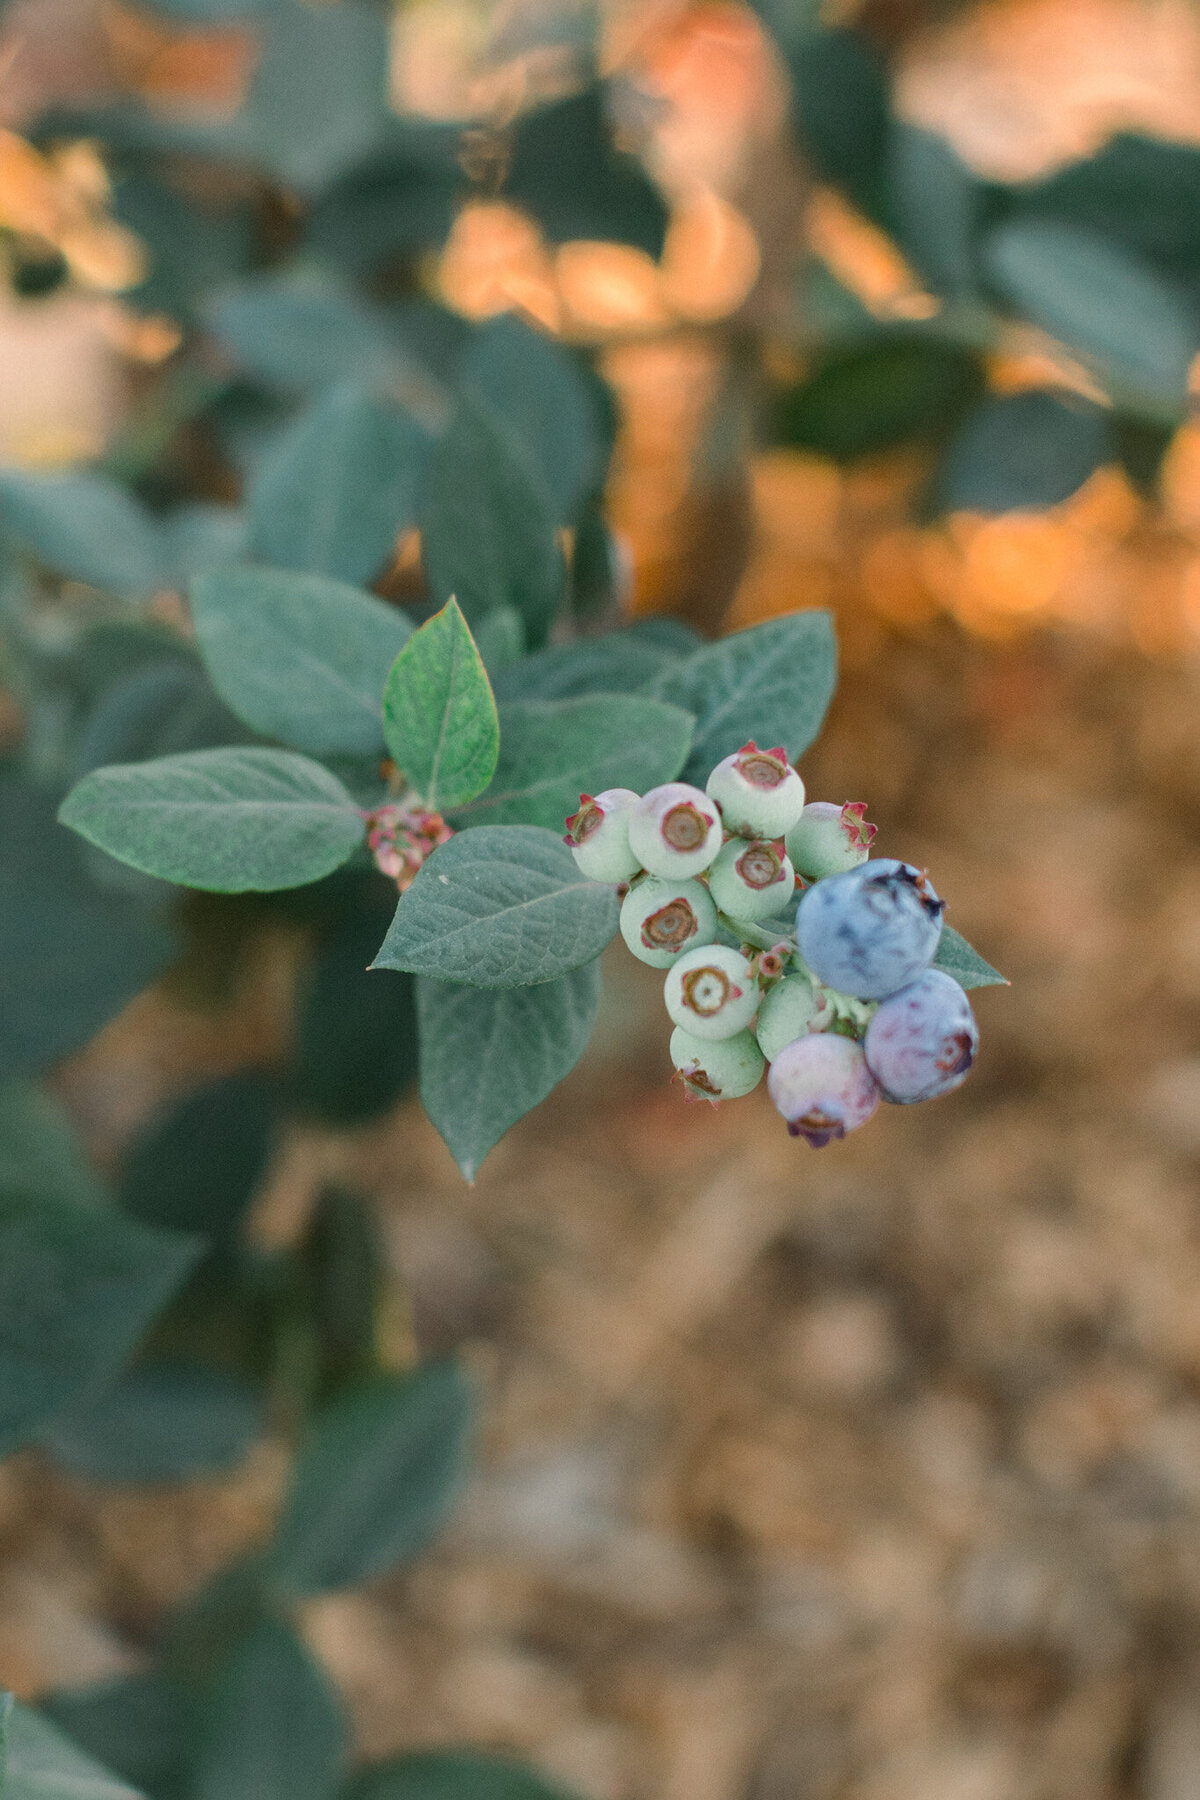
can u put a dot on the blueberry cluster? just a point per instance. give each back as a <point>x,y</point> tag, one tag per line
<point>836,992</point>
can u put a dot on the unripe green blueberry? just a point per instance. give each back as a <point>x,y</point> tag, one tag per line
<point>661,919</point>
<point>828,839</point>
<point>675,831</point>
<point>717,1068</point>
<point>712,992</point>
<point>751,880</point>
<point>789,1010</point>
<point>598,835</point>
<point>758,792</point>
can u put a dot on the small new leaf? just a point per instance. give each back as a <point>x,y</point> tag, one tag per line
<point>439,715</point>
<point>375,1479</point>
<point>502,906</point>
<point>968,968</point>
<point>489,1055</point>
<point>230,821</point>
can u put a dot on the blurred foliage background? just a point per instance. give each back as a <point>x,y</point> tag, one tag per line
<point>848,1477</point>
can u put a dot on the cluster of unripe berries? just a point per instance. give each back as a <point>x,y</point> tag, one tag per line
<point>834,992</point>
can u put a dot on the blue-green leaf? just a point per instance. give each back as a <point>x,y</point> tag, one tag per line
<point>439,716</point>
<point>273,1728</point>
<point>83,526</point>
<point>968,968</point>
<point>44,1765</point>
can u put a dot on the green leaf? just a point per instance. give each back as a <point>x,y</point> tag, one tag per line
<point>500,640</point>
<point>135,1725</point>
<point>1144,192</point>
<point>488,1056</point>
<point>44,1765</point>
<point>230,821</point>
<point>1023,450</point>
<point>299,657</point>
<point>968,968</point>
<point>303,331</point>
<point>1104,303</point>
<point>874,396</point>
<point>452,1775</point>
<point>501,906</point>
<point>439,716</point>
<point>274,1727</point>
<point>375,1480</point>
<point>488,535</point>
<point>318,98</point>
<point>196,1166</point>
<point>77,1290</point>
<point>70,956</point>
<point>841,105</point>
<point>565,168</point>
<point>772,683</point>
<point>40,1154</point>
<point>83,526</point>
<point>201,1636</point>
<point>356,1036</point>
<point>551,751</point>
<point>334,493</point>
<point>620,662</point>
<point>157,1422</point>
<point>936,203</point>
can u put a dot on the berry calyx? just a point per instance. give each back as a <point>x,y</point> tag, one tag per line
<point>661,919</point>
<point>823,1088</point>
<point>751,880</point>
<point>760,795</point>
<point>598,835</point>
<point>675,831</point>
<point>922,1041</point>
<point>716,1068</point>
<point>871,930</point>
<point>712,992</point>
<point>830,840</point>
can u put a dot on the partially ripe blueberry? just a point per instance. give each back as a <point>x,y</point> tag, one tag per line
<point>922,1041</point>
<point>752,880</point>
<point>660,919</point>
<point>675,831</point>
<point>758,792</point>
<point>712,992</point>
<point>870,931</point>
<point>823,1087</point>
<point>828,839</point>
<point>717,1069</point>
<point>789,1010</point>
<point>598,835</point>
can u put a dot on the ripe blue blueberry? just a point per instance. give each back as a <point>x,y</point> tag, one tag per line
<point>871,930</point>
<point>712,992</point>
<point>828,839</point>
<point>822,1086</point>
<point>922,1040</point>
<point>759,793</point>
<point>598,835</point>
<point>751,880</point>
<point>675,831</point>
<point>660,919</point>
<point>717,1069</point>
<point>790,1009</point>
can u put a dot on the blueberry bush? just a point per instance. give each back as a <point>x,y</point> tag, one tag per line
<point>249,705</point>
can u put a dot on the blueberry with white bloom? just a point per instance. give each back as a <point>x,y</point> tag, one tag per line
<point>661,919</point>
<point>871,930</point>
<point>717,1068</point>
<point>598,835</point>
<point>712,992</point>
<point>828,839</point>
<point>675,831</point>
<point>922,1040</point>
<point>760,795</point>
<point>752,880</point>
<point>823,1088</point>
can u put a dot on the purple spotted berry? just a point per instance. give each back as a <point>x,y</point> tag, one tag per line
<point>661,919</point>
<point>675,831</point>
<point>922,1041</point>
<point>823,1087</point>
<point>871,930</point>
<point>598,835</point>
<point>717,1068</point>
<point>828,839</point>
<point>712,992</point>
<point>752,880</point>
<point>790,1009</point>
<point>760,795</point>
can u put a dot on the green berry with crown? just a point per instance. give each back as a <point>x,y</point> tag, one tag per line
<point>717,1068</point>
<point>661,919</point>
<point>760,795</point>
<point>712,992</point>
